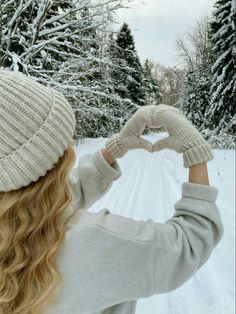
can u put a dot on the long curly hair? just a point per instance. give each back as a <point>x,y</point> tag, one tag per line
<point>32,230</point>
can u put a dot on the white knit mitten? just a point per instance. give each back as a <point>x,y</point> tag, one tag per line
<point>183,136</point>
<point>129,136</point>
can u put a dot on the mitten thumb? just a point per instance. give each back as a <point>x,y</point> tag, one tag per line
<point>142,143</point>
<point>167,142</point>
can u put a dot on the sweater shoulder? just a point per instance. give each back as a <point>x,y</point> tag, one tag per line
<point>117,225</point>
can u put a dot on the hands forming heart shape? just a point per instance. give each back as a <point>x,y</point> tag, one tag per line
<point>153,117</point>
<point>183,136</point>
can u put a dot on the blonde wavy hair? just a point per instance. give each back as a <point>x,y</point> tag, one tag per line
<point>32,231</point>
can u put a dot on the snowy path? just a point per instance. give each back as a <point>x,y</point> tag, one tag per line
<point>148,188</point>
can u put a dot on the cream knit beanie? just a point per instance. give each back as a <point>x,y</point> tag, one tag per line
<point>36,126</point>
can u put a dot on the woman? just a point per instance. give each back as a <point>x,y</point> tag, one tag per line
<point>57,257</point>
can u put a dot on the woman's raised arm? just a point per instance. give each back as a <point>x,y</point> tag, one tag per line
<point>198,174</point>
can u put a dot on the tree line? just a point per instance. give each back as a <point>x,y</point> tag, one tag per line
<point>208,95</point>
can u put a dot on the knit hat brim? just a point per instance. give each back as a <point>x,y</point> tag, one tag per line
<point>38,155</point>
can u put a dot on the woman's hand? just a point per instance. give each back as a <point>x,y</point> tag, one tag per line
<point>183,136</point>
<point>129,136</point>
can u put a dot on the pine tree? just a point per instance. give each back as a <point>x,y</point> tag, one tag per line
<point>196,97</point>
<point>119,75</point>
<point>150,85</point>
<point>222,108</point>
<point>129,77</point>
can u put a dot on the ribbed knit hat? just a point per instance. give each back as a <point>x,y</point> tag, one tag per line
<point>36,125</point>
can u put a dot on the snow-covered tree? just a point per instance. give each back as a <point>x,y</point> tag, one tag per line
<point>196,53</point>
<point>195,98</point>
<point>150,84</point>
<point>37,36</point>
<point>222,110</point>
<point>119,74</point>
<point>128,72</point>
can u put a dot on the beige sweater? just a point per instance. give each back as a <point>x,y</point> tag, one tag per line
<point>109,261</point>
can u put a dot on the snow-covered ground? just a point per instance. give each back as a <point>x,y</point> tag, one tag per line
<point>148,188</point>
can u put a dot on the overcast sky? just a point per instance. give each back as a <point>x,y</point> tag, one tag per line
<point>156,24</point>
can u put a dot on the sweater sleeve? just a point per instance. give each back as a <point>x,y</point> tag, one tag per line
<point>92,178</point>
<point>134,259</point>
<point>185,242</point>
